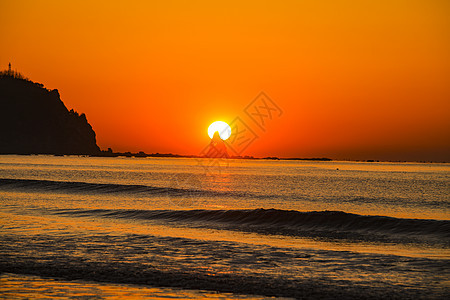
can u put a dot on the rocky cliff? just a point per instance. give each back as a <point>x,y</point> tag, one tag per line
<point>34,120</point>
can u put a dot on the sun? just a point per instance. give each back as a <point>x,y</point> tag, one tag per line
<point>223,128</point>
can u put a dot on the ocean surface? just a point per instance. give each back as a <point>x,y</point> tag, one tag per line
<point>84,227</point>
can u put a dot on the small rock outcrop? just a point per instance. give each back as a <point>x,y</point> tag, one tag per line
<point>217,147</point>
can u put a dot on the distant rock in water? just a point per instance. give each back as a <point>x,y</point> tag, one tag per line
<point>34,120</point>
<point>217,147</point>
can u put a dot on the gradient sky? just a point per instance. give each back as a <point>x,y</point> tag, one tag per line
<point>354,79</point>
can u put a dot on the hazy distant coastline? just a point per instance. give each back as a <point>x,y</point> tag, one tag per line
<point>172,155</point>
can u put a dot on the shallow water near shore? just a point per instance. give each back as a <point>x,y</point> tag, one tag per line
<point>34,287</point>
<point>234,228</point>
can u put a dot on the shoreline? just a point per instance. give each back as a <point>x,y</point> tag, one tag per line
<point>270,158</point>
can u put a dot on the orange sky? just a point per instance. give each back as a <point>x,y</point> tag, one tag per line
<point>354,80</point>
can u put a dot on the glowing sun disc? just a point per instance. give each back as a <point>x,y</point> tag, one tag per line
<point>223,128</point>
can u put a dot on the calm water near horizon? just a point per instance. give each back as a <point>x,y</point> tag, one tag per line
<point>196,228</point>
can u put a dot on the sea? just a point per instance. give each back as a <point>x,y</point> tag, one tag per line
<point>75,227</point>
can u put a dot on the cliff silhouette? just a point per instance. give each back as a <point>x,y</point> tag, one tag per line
<point>34,120</point>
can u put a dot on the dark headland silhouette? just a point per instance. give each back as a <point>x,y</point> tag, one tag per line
<point>34,120</point>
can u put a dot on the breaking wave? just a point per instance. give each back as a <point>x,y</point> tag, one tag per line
<point>99,188</point>
<point>331,224</point>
